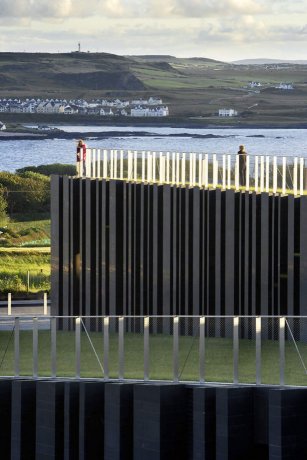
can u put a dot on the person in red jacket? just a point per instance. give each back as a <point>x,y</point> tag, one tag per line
<point>81,157</point>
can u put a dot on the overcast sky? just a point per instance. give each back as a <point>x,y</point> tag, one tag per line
<point>218,29</point>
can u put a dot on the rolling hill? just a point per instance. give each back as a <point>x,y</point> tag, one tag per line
<point>192,87</point>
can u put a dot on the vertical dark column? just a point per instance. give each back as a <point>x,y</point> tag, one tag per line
<point>23,420</point>
<point>56,246</point>
<point>149,269</point>
<point>196,248</point>
<point>175,250</point>
<point>287,424</point>
<point>234,423</point>
<point>71,420</point>
<point>290,255</point>
<point>155,249</point>
<point>231,262</point>
<point>97,250</point>
<point>118,422</point>
<point>213,266</point>
<point>91,420</point>
<point>74,246</point>
<point>82,245</point>
<point>66,245</point>
<point>263,307</point>
<point>90,246</point>
<point>116,247</point>
<point>143,249</point>
<point>50,420</point>
<point>188,255</point>
<point>276,255</point>
<point>137,248</point>
<point>167,249</point>
<point>303,254</point>
<point>130,222</point>
<point>261,422</point>
<point>253,252</point>
<point>247,254</point>
<point>204,251</point>
<point>284,250</point>
<point>104,284</point>
<point>159,422</point>
<point>204,423</point>
<point>6,414</point>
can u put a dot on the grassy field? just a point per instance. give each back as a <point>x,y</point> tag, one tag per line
<point>218,360</point>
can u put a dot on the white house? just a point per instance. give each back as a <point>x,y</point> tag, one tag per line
<point>148,112</point>
<point>227,113</point>
<point>154,101</point>
<point>2,126</point>
<point>286,86</point>
<point>254,84</point>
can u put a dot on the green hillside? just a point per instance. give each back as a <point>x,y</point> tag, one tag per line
<point>195,87</point>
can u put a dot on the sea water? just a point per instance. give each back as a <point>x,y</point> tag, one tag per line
<point>281,142</point>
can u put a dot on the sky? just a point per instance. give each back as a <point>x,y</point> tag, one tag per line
<point>219,29</point>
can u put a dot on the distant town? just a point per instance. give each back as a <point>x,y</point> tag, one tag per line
<point>152,107</point>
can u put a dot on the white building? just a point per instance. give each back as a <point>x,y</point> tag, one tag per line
<point>227,113</point>
<point>254,84</point>
<point>2,126</point>
<point>148,112</point>
<point>154,101</point>
<point>286,86</point>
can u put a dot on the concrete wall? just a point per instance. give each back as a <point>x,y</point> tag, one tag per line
<point>126,248</point>
<point>58,419</point>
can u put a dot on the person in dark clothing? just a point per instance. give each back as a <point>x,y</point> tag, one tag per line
<point>242,165</point>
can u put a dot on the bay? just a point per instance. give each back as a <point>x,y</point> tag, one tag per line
<point>281,142</point>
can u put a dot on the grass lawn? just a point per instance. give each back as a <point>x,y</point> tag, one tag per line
<point>218,359</point>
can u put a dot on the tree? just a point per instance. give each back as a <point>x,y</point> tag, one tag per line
<point>3,208</point>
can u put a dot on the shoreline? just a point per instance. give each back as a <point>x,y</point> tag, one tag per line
<point>92,135</point>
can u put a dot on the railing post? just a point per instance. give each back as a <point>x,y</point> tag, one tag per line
<point>214,173</point>
<point>121,363</point>
<point>112,165</point>
<point>9,304</point>
<point>94,164</point>
<point>146,348</point>
<point>35,347</point>
<point>53,347</point>
<point>173,168</point>
<point>135,169</point>
<point>301,176</point>
<point>261,174</point>
<point>282,324</point>
<point>106,347</point>
<point>284,174</point>
<point>17,347</point>
<point>236,350</point>
<point>98,163</point>
<point>295,177</point>
<point>177,168</point>
<point>45,304</point>
<point>237,182</point>
<point>143,167</point>
<point>200,171</point>
<point>167,167</point>
<point>183,169</point>
<point>274,175</point>
<point>149,168</point>
<point>121,165</point>
<point>154,166</point>
<point>176,349</point>
<point>247,173</point>
<point>258,350</point>
<point>256,173</point>
<point>228,172</point>
<point>202,349</point>
<point>78,347</point>
<point>206,171</point>
<point>267,174</point>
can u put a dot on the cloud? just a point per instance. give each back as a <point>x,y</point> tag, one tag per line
<point>143,8</point>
